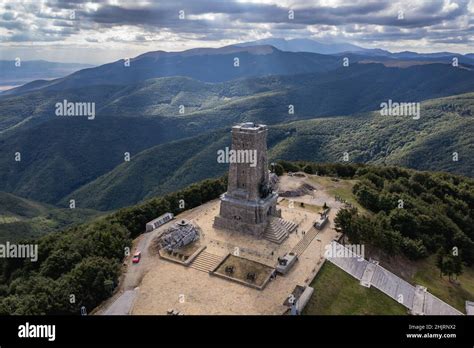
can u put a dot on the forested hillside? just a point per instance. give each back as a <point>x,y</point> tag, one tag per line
<point>445,126</point>
<point>21,218</point>
<point>85,260</point>
<point>62,154</point>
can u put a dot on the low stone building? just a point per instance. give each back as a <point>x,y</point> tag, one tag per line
<point>179,235</point>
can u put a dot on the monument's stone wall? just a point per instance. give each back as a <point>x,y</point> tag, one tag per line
<point>245,178</point>
<point>249,200</point>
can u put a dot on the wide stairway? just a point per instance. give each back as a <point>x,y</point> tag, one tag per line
<point>206,262</point>
<point>278,230</point>
<point>305,242</point>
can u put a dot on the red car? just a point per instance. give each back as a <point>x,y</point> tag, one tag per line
<point>136,257</point>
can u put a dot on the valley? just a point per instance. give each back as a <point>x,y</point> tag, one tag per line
<point>22,219</point>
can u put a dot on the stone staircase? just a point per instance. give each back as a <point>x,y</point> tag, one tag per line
<point>278,230</point>
<point>305,242</point>
<point>206,262</point>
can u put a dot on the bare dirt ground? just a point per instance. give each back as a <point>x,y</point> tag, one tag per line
<point>164,285</point>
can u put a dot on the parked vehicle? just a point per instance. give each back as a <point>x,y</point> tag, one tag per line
<point>136,257</point>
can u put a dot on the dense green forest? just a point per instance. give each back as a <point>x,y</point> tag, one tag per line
<point>408,212</point>
<point>416,214</point>
<point>84,262</point>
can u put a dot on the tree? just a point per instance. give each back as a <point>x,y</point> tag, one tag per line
<point>289,166</point>
<point>308,169</point>
<point>368,198</point>
<point>344,223</point>
<point>414,249</point>
<point>404,221</point>
<point>457,265</point>
<point>449,264</point>
<point>278,169</point>
<point>34,295</point>
<point>59,262</point>
<point>92,280</point>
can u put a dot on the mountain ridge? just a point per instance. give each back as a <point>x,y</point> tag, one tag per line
<point>368,138</point>
<point>61,154</point>
<point>258,58</point>
<point>216,67</point>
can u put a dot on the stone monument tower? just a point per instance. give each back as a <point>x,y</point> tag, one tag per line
<point>249,201</point>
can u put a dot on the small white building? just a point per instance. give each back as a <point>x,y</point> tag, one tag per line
<point>159,221</point>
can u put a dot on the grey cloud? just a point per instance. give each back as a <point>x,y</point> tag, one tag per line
<point>356,19</point>
<point>8,16</point>
<point>63,23</point>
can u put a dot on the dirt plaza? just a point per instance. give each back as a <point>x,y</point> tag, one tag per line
<point>192,290</point>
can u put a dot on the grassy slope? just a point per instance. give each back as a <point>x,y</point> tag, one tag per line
<point>341,188</point>
<point>424,272</point>
<point>454,293</point>
<point>338,293</point>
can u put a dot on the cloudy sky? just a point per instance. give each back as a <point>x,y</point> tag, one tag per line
<point>101,31</point>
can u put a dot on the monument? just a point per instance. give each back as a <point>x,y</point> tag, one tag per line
<point>249,202</point>
<point>179,235</point>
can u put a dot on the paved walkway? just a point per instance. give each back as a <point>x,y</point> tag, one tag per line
<point>123,304</point>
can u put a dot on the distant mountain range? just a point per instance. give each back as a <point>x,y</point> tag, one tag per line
<point>338,48</point>
<point>342,91</point>
<point>138,109</point>
<point>61,154</point>
<point>206,64</point>
<point>258,58</point>
<point>308,45</point>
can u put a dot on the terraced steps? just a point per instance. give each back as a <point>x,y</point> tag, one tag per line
<point>305,242</point>
<point>278,230</point>
<point>206,262</point>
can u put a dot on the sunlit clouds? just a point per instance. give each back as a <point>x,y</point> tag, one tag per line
<point>102,31</point>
